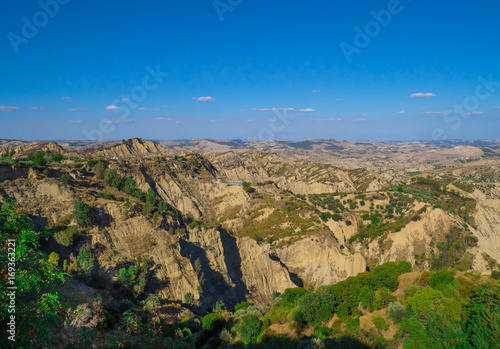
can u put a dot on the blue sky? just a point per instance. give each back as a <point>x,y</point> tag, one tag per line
<point>250,70</point>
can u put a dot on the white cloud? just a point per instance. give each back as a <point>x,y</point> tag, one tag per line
<point>38,108</point>
<point>435,113</point>
<point>76,109</point>
<point>125,100</point>
<point>74,122</point>
<point>338,99</point>
<point>329,119</point>
<point>163,119</point>
<point>316,91</point>
<point>179,122</point>
<point>475,113</point>
<point>8,109</point>
<point>401,112</point>
<point>212,120</point>
<point>141,108</point>
<point>66,98</point>
<point>422,95</point>
<point>306,110</point>
<point>204,99</point>
<point>165,106</point>
<point>119,121</point>
<point>155,109</point>
<point>113,107</point>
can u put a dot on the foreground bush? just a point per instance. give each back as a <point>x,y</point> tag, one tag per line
<point>213,321</point>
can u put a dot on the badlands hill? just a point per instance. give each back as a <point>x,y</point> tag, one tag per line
<point>237,225</point>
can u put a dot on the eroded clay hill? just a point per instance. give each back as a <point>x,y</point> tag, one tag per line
<point>280,223</point>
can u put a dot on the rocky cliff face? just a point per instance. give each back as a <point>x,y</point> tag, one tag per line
<point>133,147</point>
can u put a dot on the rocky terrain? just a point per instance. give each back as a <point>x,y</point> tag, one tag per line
<point>308,213</point>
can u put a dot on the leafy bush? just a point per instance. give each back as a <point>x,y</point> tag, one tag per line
<point>382,298</point>
<point>38,309</point>
<point>57,157</point>
<point>440,279</point>
<point>386,275</point>
<point>379,322</point>
<point>321,332</point>
<point>483,323</point>
<point>213,321</point>
<point>81,212</point>
<point>99,169</point>
<point>242,305</point>
<point>291,296</point>
<point>113,179</point>
<point>66,237</point>
<point>135,276</point>
<point>39,158</point>
<point>85,261</point>
<point>425,301</point>
<point>396,312</point>
<point>366,297</point>
<point>316,307</point>
<point>219,306</point>
<point>250,328</point>
<point>495,274</point>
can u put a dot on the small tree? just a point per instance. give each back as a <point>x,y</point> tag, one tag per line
<point>151,196</point>
<point>396,312</point>
<point>39,158</point>
<point>316,307</point>
<point>250,328</point>
<point>85,261</point>
<point>81,212</point>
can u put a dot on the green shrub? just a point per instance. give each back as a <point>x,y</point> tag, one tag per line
<point>386,275</point>
<point>336,217</point>
<point>316,307</point>
<point>250,328</point>
<point>495,274</point>
<point>99,169</point>
<point>213,321</point>
<point>396,312</point>
<point>379,322</point>
<point>135,276</point>
<point>85,261</point>
<point>113,179</point>
<point>366,297</point>
<point>39,311</point>
<point>321,332</point>
<point>291,296</point>
<point>66,178</point>
<point>39,158</point>
<point>81,212</point>
<point>382,298</point>
<point>425,301</point>
<point>440,279</point>
<point>220,306</point>
<point>66,237</point>
<point>54,258</point>
<point>57,157</point>
<point>242,305</point>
